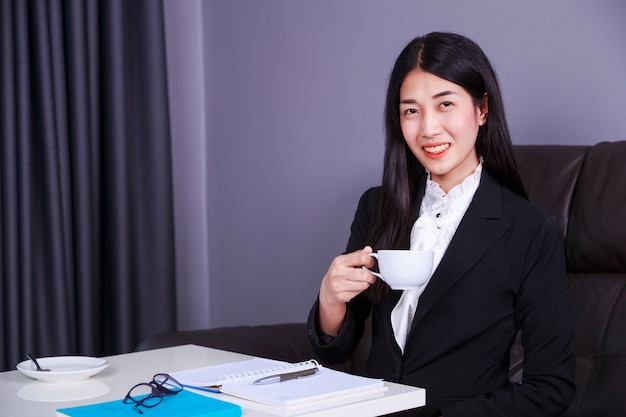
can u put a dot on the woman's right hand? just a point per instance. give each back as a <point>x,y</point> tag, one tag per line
<point>343,281</point>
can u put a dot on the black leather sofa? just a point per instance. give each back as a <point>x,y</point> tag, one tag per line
<point>585,188</point>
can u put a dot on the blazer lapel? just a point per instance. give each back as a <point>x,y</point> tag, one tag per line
<point>479,230</point>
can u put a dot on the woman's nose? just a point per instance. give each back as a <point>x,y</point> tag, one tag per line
<point>430,125</point>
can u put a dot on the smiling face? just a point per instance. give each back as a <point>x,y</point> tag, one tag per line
<point>440,122</point>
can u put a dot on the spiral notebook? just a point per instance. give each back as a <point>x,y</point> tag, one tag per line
<point>237,379</point>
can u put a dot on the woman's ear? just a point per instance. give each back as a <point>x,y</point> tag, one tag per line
<point>484,109</point>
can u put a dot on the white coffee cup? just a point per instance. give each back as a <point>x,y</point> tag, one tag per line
<point>404,269</point>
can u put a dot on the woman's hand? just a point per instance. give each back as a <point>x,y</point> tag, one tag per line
<point>343,281</point>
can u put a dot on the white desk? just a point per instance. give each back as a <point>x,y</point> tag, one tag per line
<point>21,396</point>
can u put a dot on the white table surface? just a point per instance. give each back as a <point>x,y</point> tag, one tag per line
<point>21,396</point>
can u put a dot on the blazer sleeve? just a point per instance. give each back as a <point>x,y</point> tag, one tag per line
<point>341,347</point>
<point>544,314</point>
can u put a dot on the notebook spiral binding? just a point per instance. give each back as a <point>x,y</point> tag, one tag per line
<point>239,377</point>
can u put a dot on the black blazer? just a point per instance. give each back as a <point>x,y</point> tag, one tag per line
<point>504,270</point>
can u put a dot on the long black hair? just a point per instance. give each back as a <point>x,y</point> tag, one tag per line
<point>457,59</point>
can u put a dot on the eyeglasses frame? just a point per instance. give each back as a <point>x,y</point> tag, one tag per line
<point>158,391</point>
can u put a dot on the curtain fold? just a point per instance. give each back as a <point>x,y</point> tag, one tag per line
<point>86,212</point>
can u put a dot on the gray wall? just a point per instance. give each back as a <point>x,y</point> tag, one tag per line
<point>292,122</point>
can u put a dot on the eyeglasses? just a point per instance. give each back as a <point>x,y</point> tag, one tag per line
<point>150,394</point>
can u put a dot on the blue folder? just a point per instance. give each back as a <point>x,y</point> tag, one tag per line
<point>184,404</point>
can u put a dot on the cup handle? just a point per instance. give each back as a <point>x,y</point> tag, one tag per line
<point>373,255</point>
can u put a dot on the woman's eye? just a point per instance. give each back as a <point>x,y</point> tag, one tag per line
<point>410,112</point>
<point>446,104</point>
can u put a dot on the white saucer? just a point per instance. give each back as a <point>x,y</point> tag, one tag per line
<point>63,368</point>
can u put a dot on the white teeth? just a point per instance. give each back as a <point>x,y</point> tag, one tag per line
<point>436,149</point>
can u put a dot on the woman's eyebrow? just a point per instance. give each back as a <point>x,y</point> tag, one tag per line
<point>444,93</point>
<point>436,96</point>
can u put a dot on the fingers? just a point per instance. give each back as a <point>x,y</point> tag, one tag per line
<point>355,259</point>
<point>345,278</point>
<point>349,284</point>
<point>365,258</point>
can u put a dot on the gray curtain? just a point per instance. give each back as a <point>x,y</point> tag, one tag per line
<point>86,218</point>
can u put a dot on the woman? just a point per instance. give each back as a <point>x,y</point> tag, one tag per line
<point>451,185</point>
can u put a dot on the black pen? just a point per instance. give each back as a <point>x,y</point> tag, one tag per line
<point>271,379</point>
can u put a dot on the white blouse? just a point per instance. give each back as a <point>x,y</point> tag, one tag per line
<point>439,217</point>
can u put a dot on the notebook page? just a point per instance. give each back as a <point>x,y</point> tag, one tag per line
<point>237,372</point>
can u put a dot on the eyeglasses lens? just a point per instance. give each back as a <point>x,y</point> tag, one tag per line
<point>167,385</point>
<point>145,395</point>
